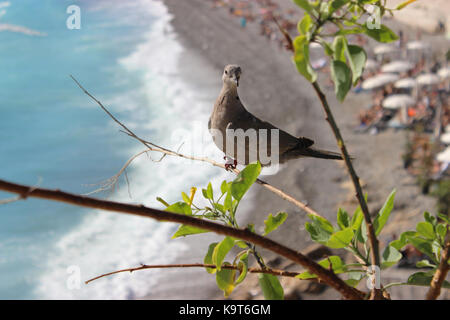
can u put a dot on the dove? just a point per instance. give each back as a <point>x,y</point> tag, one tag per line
<point>246,138</point>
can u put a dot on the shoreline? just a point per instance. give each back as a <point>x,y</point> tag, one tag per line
<point>272,89</point>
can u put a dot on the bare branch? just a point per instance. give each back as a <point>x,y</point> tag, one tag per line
<point>275,272</point>
<point>323,274</point>
<point>112,182</point>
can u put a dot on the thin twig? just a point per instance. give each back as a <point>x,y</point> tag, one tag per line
<point>111,182</point>
<point>153,147</point>
<point>275,272</point>
<point>323,274</point>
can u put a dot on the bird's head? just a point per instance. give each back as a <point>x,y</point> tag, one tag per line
<point>231,75</point>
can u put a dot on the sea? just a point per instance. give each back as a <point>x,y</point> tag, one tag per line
<point>52,135</point>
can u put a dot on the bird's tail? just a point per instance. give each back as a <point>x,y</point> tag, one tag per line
<point>322,154</point>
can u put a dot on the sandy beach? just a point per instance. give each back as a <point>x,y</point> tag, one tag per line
<point>272,89</point>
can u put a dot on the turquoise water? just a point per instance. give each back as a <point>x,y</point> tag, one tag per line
<point>54,135</point>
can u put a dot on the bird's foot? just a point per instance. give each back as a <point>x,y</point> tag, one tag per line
<point>230,164</point>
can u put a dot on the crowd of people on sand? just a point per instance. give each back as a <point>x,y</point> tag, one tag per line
<point>263,12</point>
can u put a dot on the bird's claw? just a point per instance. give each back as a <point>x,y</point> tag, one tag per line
<point>230,164</point>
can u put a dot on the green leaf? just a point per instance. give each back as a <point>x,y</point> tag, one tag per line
<point>390,257</point>
<point>185,197</point>
<point>340,239</point>
<point>357,60</point>
<point>219,207</point>
<point>425,264</point>
<point>361,233</point>
<point>320,229</point>
<point>271,287</point>
<point>273,223</point>
<point>384,213</point>
<point>208,257</point>
<point>324,10</point>
<point>304,4</point>
<point>244,180</point>
<point>429,218</point>
<point>221,250</point>
<point>339,48</point>
<point>424,246</point>
<point>383,34</point>
<point>241,244</point>
<point>225,280</point>
<point>322,223</point>
<point>352,282</point>
<point>357,218</point>
<point>355,277</point>
<point>243,264</point>
<point>180,208</point>
<point>301,58</point>
<point>224,186</point>
<point>342,219</point>
<point>342,79</point>
<point>441,230</point>
<point>426,230</point>
<point>228,202</point>
<point>424,279</point>
<point>443,216</point>
<point>305,24</point>
<point>336,5</point>
<point>336,265</point>
<point>344,32</point>
<point>185,230</point>
<point>209,191</point>
<point>403,240</point>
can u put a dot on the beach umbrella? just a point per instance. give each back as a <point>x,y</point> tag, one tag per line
<point>445,138</point>
<point>427,79</point>
<point>397,66</point>
<point>396,101</point>
<point>444,73</point>
<point>379,80</point>
<point>405,83</point>
<point>416,45</point>
<point>371,64</point>
<point>444,156</point>
<point>383,49</point>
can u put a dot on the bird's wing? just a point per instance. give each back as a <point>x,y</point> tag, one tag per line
<point>245,120</point>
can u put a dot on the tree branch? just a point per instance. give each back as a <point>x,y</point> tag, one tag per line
<point>275,272</point>
<point>441,272</point>
<point>373,241</point>
<point>325,275</point>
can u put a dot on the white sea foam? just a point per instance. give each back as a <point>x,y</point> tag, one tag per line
<point>105,242</point>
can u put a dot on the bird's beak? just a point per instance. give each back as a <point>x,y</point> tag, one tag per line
<point>236,80</point>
